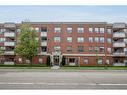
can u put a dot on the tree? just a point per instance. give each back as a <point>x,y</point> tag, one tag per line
<point>27,44</point>
<point>1,55</point>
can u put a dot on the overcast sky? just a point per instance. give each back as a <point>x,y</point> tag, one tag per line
<point>63,13</point>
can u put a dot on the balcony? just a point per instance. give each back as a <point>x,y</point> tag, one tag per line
<point>9,25</point>
<point>11,34</point>
<point>119,35</point>
<point>43,34</point>
<point>9,63</point>
<point>118,64</point>
<point>9,52</point>
<point>119,25</point>
<point>119,44</point>
<point>44,43</point>
<point>9,43</point>
<point>43,53</point>
<point>119,54</point>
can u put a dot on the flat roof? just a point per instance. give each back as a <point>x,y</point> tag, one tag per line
<point>67,22</point>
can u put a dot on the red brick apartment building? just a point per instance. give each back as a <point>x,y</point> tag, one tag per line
<point>79,43</point>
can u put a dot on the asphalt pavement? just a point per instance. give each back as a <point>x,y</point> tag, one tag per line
<point>55,79</point>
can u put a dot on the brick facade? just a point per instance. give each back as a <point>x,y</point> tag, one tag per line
<point>81,43</point>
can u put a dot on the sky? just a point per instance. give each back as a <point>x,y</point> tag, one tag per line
<point>70,13</point>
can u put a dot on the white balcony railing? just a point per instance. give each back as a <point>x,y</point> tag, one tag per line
<point>119,44</point>
<point>119,64</point>
<point>9,63</point>
<point>9,52</point>
<point>43,34</point>
<point>121,35</point>
<point>9,43</point>
<point>119,54</point>
<point>43,53</point>
<point>44,43</point>
<point>11,34</point>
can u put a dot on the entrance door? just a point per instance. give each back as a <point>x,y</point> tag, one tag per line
<point>56,60</point>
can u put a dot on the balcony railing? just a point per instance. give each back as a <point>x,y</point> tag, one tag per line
<point>9,25</point>
<point>9,52</point>
<point>44,43</point>
<point>118,64</point>
<point>43,34</point>
<point>43,53</point>
<point>119,44</point>
<point>11,34</point>
<point>118,34</point>
<point>9,43</point>
<point>8,63</point>
<point>119,54</point>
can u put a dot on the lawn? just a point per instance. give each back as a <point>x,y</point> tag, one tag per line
<point>94,68</point>
<point>43,67</point>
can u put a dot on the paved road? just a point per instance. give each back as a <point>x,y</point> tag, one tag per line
<point>37,79</point>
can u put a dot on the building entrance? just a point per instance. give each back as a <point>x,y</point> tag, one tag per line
<point>56,58</point>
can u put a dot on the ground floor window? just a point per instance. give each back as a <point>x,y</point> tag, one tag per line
<point>85,61</point>
<point>72,60</point>
<point>20,60</point>
<point>100,61</point>
<point>28,61</point>
<point>107,61</point>
<point>40,60</point>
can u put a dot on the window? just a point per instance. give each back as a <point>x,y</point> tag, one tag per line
<point>43,29</point>
<point>80,30</point>
<point>125,40</point>
<point>91,30</point>
<point>69,48</point>
<point>27,61</point>
<point>97,30</point>
<point>96,39</point>
<point>80,39</point>
<point>20,60</point>
<point>56,39</point>
<point>90,48</point>
<point>72,60</point>
<point>90,39</point>
<point>43,39</point>
<point>101,30</point>
<point>102,49</point>
<point>18,30</point>
<point>69,30</point>
<point>109,50</point>
<point>2,31</point>
<point>37,29</point>
<point>102,39</point>
<point>109,31</point>
<point>57,48</point>
<point>109,40</point>
<point>44,48</point>
<point>69,39</point>
<point>2,39</point>
<point>85,61</point>
<point>2,48</point>
<point>99,61</point>
<point>96,49</point>
<point>80,48</point>
<point>107,61</point>
<point>57,29</point>
<point>40,60</point>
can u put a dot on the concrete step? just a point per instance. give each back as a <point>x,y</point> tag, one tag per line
<point>55,67</point>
